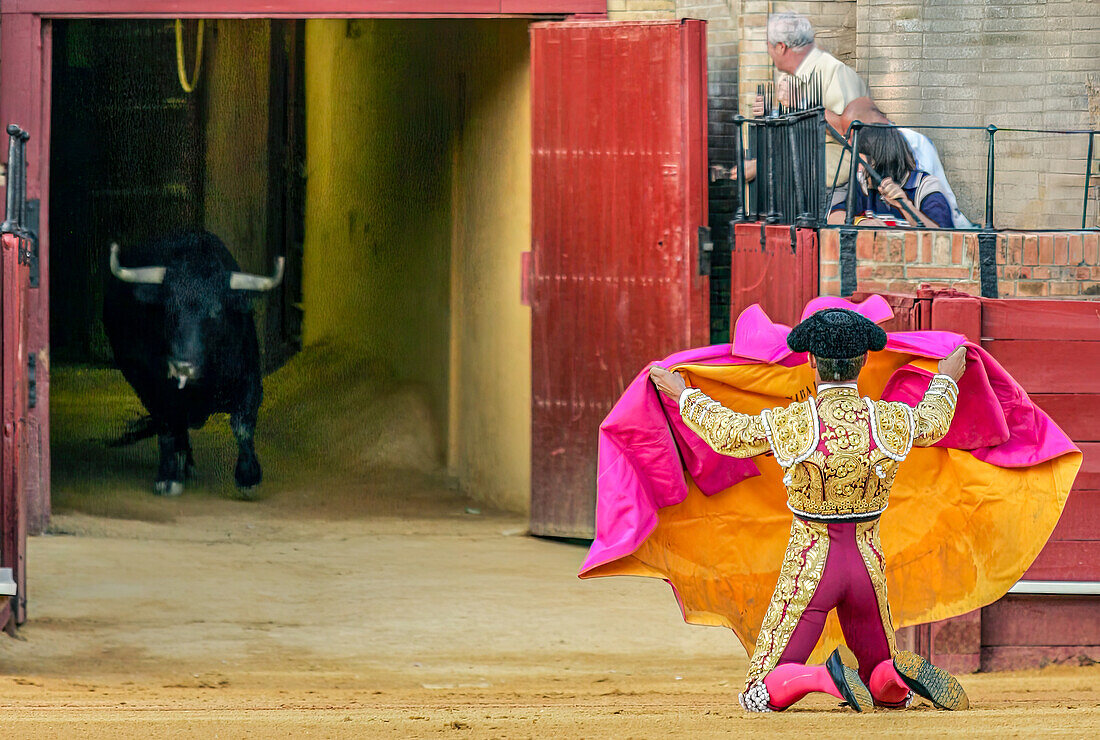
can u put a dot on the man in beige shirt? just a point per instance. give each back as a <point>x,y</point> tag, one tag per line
<point>792,50</point>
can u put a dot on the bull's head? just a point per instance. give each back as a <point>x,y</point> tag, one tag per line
<point>195,300</point>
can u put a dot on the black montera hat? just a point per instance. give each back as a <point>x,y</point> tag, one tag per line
<point>836,333</point>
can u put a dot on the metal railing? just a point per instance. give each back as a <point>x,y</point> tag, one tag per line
<point>21,214</point>
<point>788,147</point>
<point>15,213</point>
<point>790,186</point>
<point>991,159</point>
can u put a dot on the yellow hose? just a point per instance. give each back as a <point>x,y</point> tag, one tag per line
<point>188,85</point>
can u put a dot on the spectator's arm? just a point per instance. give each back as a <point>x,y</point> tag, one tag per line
<point>895,195</point>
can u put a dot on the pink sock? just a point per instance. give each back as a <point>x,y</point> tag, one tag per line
<point>887,687</point>
<point>789,682</point>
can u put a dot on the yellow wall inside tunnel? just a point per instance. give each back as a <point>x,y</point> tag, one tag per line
<point>417,211</point>
<point>490,411</point>
<point>376,274</point>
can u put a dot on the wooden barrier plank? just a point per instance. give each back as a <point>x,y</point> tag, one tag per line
<point>1050,320</point>
<point>1088,478</point>
<point>904,306</point>
<point>1078,414</point>
<point>961,314</point>
<point>1035,620</point>
<point>1015,657</point>
<point>1081,517</point>
<point>1066,560</point>
<point>1045,366</point>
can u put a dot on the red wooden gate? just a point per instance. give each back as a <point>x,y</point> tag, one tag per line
<point>1053,349</point>
<point>17,244</point>
<point>618,196</point>
<point>775,266</point>
<point>14,283</point>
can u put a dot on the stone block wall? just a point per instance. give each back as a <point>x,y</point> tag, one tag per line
<point>1012,63</point>
<point>646,10</point>
<point>722,72</point>
<point>1043,265</point>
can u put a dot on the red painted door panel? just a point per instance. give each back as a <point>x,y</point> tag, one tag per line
<point>775,266</point>
<point>618,195</point>
<point>1028,337</point>
<point>14,284</point>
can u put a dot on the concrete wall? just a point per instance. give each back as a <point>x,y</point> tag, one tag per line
<point>380,110</point>
<point>418,208</point>
<point>489,448</point>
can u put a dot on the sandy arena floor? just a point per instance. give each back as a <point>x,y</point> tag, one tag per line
<point>237,620</point>
<point>374,604</point>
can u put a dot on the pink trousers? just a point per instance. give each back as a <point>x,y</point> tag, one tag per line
<point>845,586</point>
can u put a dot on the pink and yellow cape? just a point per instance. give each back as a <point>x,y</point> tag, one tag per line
<point>966,517</point>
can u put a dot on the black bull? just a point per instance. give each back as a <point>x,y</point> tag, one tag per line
<point>179,320</point>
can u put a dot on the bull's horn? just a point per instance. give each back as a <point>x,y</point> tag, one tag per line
<point>145,275</point>
<point>245,281</point>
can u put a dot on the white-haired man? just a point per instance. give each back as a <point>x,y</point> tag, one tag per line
<point>846,98</point>
<point>793,51</point>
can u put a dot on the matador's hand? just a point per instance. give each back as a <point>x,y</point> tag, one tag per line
<point>671,384</point>
<point>954,364</point>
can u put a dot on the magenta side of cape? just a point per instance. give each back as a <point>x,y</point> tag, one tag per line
<point>645,448</point>
<point>640,467</point>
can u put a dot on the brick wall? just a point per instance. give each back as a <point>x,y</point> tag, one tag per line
<point>1062,265</point>
<point>1015,63</point>
<point>834,24</point>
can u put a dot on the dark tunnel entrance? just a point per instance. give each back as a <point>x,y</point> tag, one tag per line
<point>136,156</point>
<point>396,351</point>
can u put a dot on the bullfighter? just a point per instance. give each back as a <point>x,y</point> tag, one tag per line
<point>698,478</point>
<point>840,454</point>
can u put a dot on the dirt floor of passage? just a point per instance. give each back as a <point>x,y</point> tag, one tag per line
<point>377,602</point>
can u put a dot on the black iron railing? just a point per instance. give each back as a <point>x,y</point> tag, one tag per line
<point>787,146</point>
<point>21,214</point>
<point>790,186</point>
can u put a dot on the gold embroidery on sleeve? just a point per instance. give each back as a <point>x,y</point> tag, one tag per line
<point>934,413</point>
<point>727,432</point>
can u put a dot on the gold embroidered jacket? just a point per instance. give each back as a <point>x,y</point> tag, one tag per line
<point>839,452</point>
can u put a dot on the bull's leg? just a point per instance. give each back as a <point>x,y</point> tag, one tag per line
<point>169,480</point>
<point>247,473</point>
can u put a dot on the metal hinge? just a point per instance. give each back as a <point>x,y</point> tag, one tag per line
<point>706,249</point>
<point>32,380</point>
<point>29,254</point>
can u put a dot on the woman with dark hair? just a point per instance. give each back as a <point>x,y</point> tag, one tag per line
<point>885,149</point>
